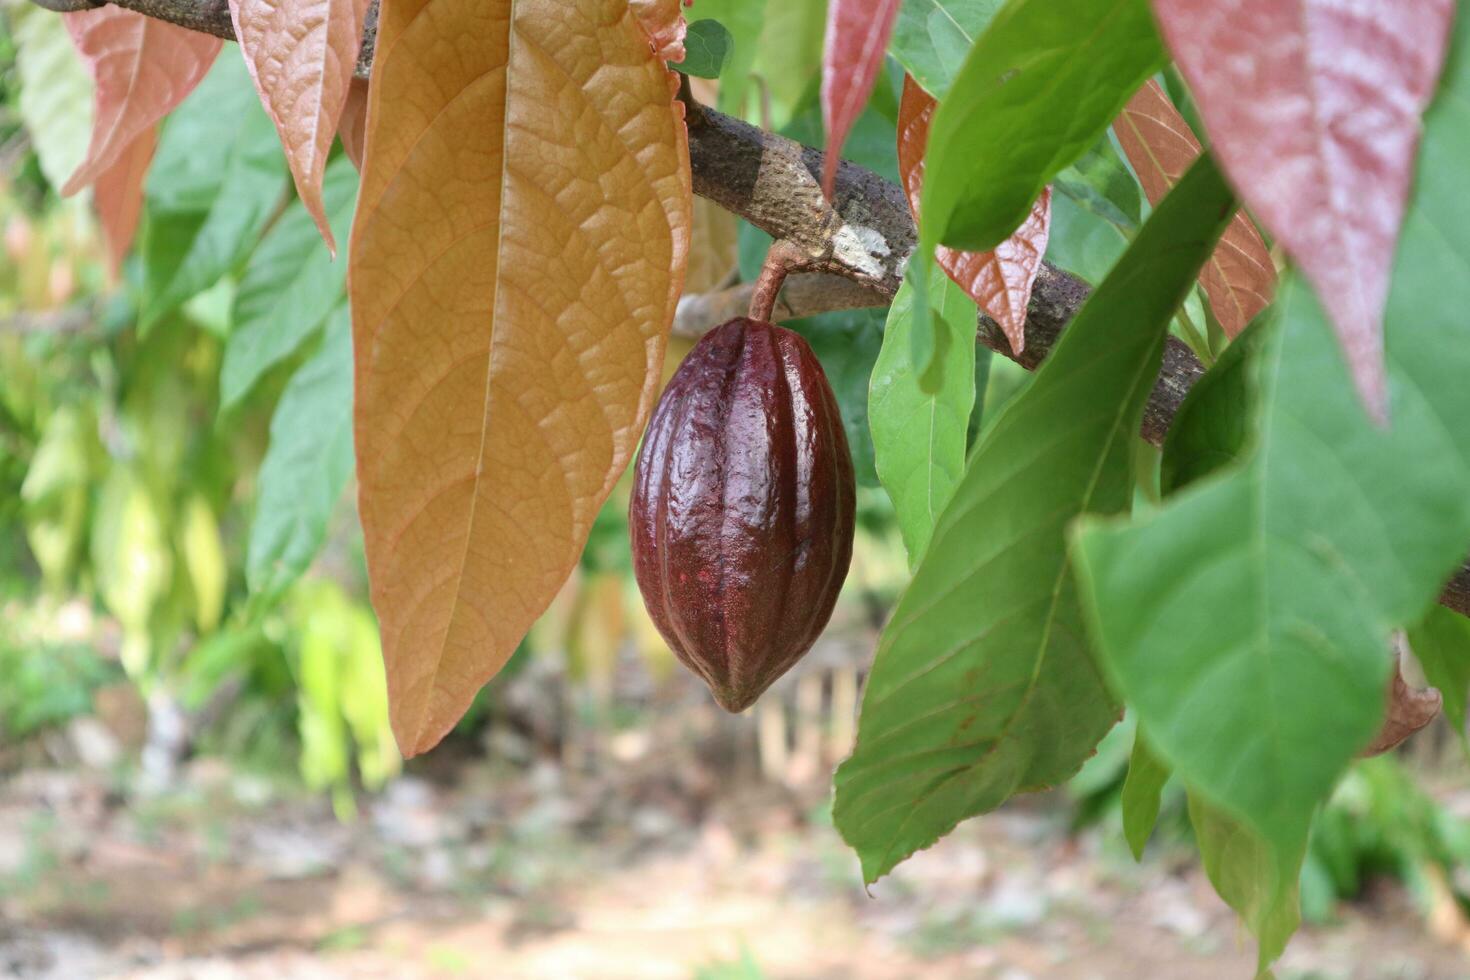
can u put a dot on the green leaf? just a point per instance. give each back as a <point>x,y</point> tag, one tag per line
<point>1143,791</point>
<point>308,463</point>
<point>1441,643</point>
<point>743,19</point>
<point>932,37</point>
<point>202,554</point>
<point>1101,182</point>
<point>55,91</point>
<point>1037,90</point>
<point>847,345</point>
<point>983,684</point>
<point>289,288</point>
<point>788,58</point>
<point>1213,425</point>
<point>1248,621</point>
<point>919,424</point>
<point>1249,876</point>
<point>708,48</point>
<point>217,178</point>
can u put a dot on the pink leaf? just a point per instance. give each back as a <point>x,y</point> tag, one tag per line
<point>857,39</point>
<point>1312,107</point>
<point>1240,276</point>
<point>118,195</point>
<point>142,68</point>
<point>301,54</point>
<point>352,127</point>
<point>999,281</point>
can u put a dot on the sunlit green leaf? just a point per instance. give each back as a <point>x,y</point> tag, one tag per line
<point>788,58</point>
<point>55,91</point>
<point>932,37</point>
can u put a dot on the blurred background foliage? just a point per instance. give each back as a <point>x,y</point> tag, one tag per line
<point>179,554</point>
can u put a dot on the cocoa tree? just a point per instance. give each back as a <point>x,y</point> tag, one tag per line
<point>517,257</point>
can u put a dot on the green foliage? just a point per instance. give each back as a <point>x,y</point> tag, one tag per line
<point>1143,793</point>
<point>289,287</point>
<point>342,695</point>
<point>743,19</point>
<point>1095,212</point>
<point>1037,89</point>
<point>788,57</point>
<point>920,423</point>
<point>932,37</point>
<point>1258,880</point>
<point>45,684</point>
<point>57,485</point>
<point>983,683</point>
<point>214,184</point>
<point>1441,642</point>
<point>55,91</point>
<point>1379,822</point>
<point>308,464</point>
<point>708,48</point>
<point>1283,575</point>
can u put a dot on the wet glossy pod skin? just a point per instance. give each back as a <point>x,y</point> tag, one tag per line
<point>742,512</point>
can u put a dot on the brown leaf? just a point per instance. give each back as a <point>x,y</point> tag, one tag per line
<point>519,246</point>
<point>1313,107</point>
<point>301,54</point>
<point>352,127</point>
<point>1408,709</point>
<point>856,44</point>
<point>118,196</point>
<point>1240,277</point>
<point>999,281</point>
<point>142,68</point>
<point>663,22</point>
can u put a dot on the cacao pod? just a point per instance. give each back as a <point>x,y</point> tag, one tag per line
<point>742,508</point>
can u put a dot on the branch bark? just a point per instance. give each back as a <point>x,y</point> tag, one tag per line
<point>865,236</point>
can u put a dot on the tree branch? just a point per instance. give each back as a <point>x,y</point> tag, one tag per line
<point>865,236</point>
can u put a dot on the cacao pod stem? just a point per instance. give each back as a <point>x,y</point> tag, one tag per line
<point>782,259</point>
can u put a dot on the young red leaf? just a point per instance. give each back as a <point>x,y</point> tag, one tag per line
<point>1240,277</point>
<point>301,54</point>
<point>118,195</point>
<point>999,280</point>
<point>352,127</point>
<point>857,39</point>
<point>143,68</point>
<point>1313,108</point>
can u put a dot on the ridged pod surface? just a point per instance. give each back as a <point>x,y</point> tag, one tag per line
<point>742,511</point>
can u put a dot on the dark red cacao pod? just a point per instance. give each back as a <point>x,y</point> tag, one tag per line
<point>742,512</point>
